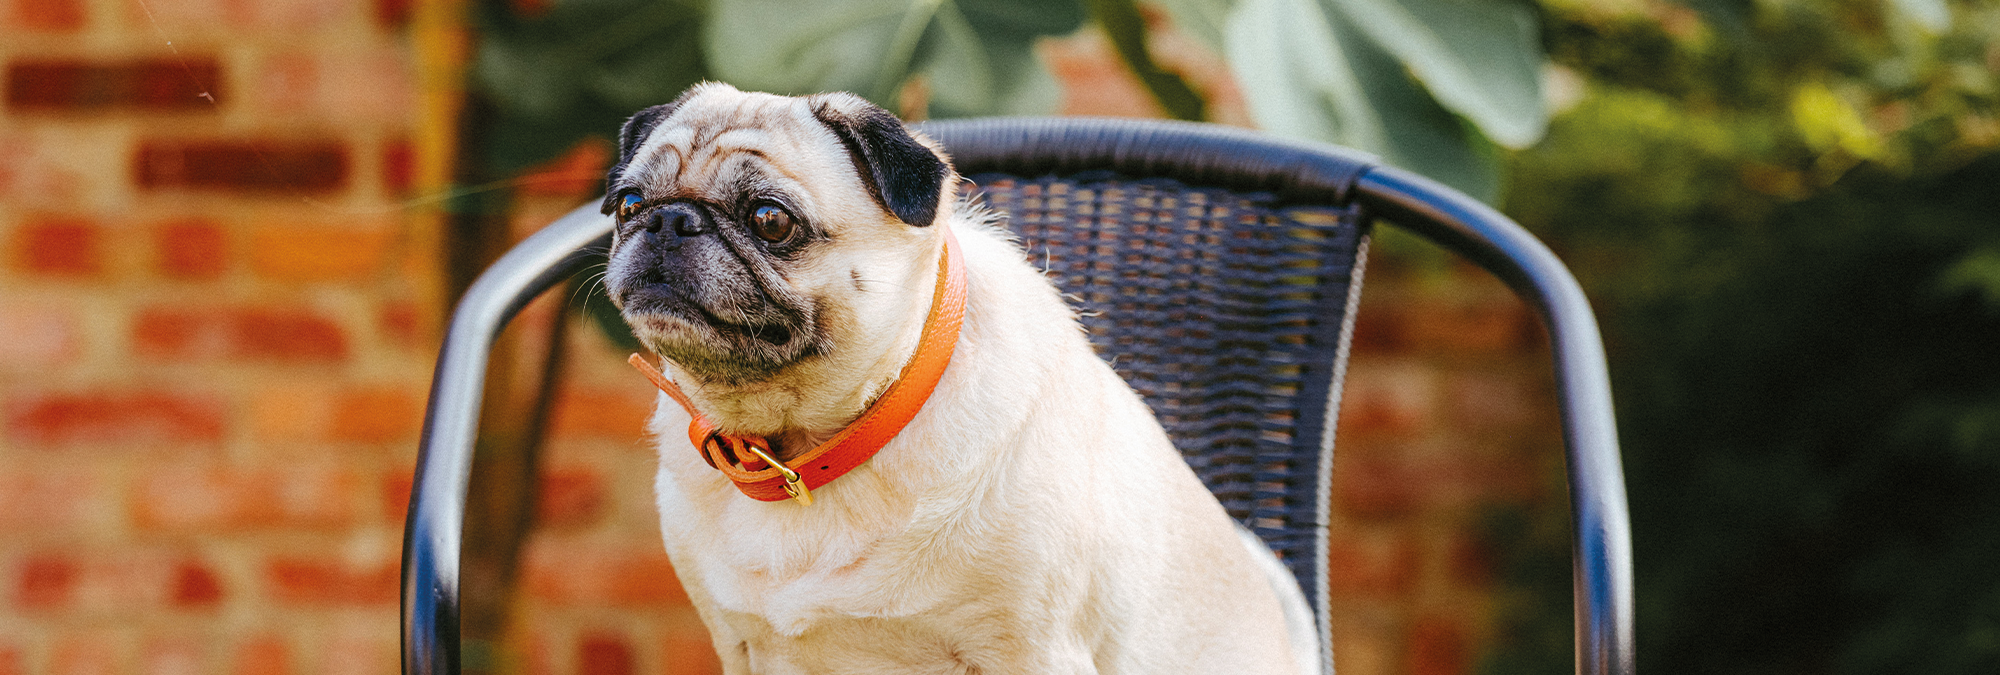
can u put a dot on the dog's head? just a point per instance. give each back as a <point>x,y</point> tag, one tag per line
<point>757,231</point>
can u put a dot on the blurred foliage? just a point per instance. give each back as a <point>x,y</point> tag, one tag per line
<point>1789,216</point>
<point>578,68</point>
<point>1430,85</point>
<point>974,57</point>
<point>1436,86</point>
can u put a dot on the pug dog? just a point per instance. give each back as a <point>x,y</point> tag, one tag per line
<point>787,259</point>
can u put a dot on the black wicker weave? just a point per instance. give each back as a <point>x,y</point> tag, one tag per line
<point>1225,312</point>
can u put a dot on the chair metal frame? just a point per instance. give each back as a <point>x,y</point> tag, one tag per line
<point>1298,171</point>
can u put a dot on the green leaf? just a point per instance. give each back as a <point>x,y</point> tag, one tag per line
<point>788,47</point>
<point>1203,19</point>
<point>578,70</point>
<point>980,52</point>
<point>969,77</point>
<point>1023,19</point>
<point>1480,58</point>
<point>1976,273</point>
<point>1126,28</point>
<point>1311,74</point>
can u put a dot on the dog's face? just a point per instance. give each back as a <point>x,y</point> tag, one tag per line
<point>758,231</point>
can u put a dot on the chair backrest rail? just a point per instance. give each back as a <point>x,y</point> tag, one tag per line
<point>433,534</point>
<point>1602,543</point>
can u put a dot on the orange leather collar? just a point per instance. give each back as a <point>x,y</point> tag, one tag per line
<point>749,462</point>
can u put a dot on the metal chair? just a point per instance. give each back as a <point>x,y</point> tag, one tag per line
<point>1217,268</point>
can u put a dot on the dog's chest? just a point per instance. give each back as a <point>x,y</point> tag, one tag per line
<point>876,614</point>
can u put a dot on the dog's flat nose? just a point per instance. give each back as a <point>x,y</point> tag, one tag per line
<point>680,219</point>
<point>665,227</point>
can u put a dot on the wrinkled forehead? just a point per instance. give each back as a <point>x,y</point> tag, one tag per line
<point>714,141</point>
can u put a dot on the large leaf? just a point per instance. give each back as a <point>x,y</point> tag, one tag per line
<point>1480,58</point>
<point>1309,73</point>
<point>578,70</point>
<point>971,77</point>
<point>1203,19</point>
<point>978,54</point>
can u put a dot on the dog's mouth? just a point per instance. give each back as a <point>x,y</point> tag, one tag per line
<point>715,344</point>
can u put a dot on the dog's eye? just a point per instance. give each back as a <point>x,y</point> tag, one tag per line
<point>771,223</point>
<point>627,206</point>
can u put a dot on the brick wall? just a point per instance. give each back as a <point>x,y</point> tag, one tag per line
<point>216,329</point>
<point>217,319</point>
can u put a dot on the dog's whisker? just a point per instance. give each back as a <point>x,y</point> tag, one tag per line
<point>589,286</point>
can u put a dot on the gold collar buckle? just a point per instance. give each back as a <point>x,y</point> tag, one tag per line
<point>794,485</point>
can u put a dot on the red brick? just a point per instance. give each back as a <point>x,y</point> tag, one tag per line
<point>321,581</point>
<point>1389,401</point>
<point>191,249</point>
<point>319,252</point>
<point>399,165</point>
<point>280,166</point>
<point>601,576</point>
<point>376,415</point>
<point>195,586</point>
<point>1439,646</point>
<point>614,413</point>
<point>95,653</point>
<point>188,83</point>
<point>101,583</point>
<point>405,324</point>
<point>45,582</point>
<point>537,657</point>
<point>396,488</point>
<point>208,498</point>
<point>1374,487</point>
<point>256,333</point>
<point>170,656</point>
<point>124,581</point>
<point>262,655</point>
<point>48,501</point>
<point>603,654</point>
<point>570,497</point>
<point>1378,567</point>
<point>114,417</point>
<point>48,15</point>
<point>1378,329</point>
<point>1492,402</point>
<point>12,660</point>
<point>689,653</point>
<point>1499,325</point>
<point>393,14</point>
<point>58,246</point>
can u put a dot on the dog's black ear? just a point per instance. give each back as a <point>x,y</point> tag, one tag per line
<point>630,138</point>
<point>904,176</point>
